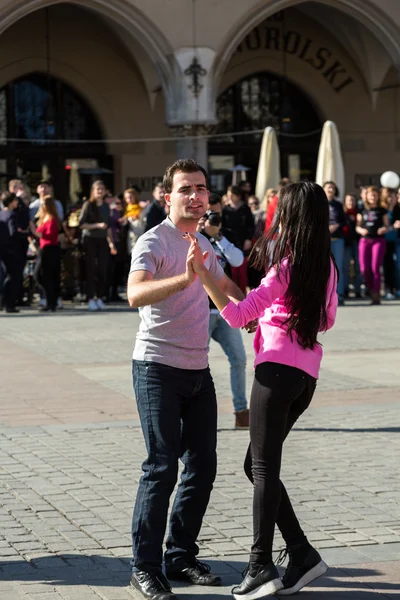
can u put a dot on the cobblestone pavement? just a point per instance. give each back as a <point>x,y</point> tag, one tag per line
<point>71,449</point>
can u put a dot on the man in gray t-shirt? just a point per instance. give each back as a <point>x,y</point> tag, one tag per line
<point>174,389</point>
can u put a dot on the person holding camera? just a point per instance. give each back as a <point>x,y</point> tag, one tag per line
<point>230,339</point>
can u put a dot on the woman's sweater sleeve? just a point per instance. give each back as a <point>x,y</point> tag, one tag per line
<point>254,305</point>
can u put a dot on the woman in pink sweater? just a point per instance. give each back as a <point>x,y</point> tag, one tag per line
<point>296,300</point>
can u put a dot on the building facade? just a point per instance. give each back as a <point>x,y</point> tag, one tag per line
<point>124,87</point>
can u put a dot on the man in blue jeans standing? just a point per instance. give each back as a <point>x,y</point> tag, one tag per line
<point>174,389</point>
<point>337,221</point>
<point>230,339</point>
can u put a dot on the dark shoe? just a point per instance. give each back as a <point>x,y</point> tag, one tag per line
<point>341,301</point>
<point>44,309</point>
<point>242,419</point>
<point>376,298</point>
<point>304,566</point>
<point>12,310</point>
<point>259,581</point>
<point>152,585</point>
<point>193,571</point>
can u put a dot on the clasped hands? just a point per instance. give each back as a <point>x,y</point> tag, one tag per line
<point>195,267</point>
<point>195,258</point>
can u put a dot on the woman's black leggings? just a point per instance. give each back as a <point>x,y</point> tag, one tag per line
<point>97,255</point>
<point>279,396</point>
<point>47,273</point>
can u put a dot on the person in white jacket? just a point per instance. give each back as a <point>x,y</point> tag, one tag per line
<point>230,339</point>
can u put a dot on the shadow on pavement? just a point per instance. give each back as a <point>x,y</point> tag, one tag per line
<point>97,570</point>
<point>348,430</point>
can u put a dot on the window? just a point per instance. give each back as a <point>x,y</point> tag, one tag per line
<point>38,109</point>
<point>253,103</point>
<point>263,100</point>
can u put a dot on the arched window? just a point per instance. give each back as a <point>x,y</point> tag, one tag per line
<point>258,101</point>
<point>39,107</point>
<point>42,121</point>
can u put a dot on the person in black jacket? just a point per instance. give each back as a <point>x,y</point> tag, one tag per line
<point>238,226</point>
<point>9,251</point>
<point>154,213</point>
<point>16,186</point>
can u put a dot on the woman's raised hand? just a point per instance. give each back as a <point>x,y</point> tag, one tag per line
<point>195,257</point>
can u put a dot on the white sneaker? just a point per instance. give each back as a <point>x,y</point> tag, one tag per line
<point>390,296</point>
<point>42,302</point>
<point>92,304</point>
<point>100,304</point>
<point>59,304</point>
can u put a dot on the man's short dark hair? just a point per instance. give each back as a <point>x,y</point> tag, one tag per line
<point>8,198</point>
<point>214,199</point>
<point>235,189</point>
<point>159,184</point>
<point>284,182</point>
<point>185,165</point>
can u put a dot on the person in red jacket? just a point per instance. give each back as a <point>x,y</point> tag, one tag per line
<point>273,204</point>
<point>48,266</point>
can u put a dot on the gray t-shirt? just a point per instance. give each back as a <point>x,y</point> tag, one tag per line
<point>174,331</point>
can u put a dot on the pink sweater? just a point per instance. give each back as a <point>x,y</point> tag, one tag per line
<point>271,342</point>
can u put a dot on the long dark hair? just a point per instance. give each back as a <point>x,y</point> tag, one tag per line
<point>300,234</point>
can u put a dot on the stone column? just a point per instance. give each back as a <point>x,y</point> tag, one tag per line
<point>191,111</point>
<point>193,143</point>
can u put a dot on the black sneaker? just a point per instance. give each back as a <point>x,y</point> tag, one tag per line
<point>152,585</point>
<point>259,581</point>
<point>193,571</point>
<point>12,310</point>
<point>301,569</point>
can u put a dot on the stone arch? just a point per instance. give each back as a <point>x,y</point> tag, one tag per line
<point>365,11</point>
<point>143,35</point>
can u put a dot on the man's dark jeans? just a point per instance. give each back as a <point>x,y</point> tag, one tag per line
<point>178,413</point>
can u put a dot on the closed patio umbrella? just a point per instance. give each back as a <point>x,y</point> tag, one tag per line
<point>268,173</point>
<point>74,183</point>
<point>330,162</point>
<point>45,172</point>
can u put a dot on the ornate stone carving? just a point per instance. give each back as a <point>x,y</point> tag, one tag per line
<point>195,71</point>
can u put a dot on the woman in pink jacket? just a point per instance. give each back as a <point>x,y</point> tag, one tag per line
<point>295,301</point>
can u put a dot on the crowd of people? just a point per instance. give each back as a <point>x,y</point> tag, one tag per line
<point>84,254</point>
<point>365,237</point>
